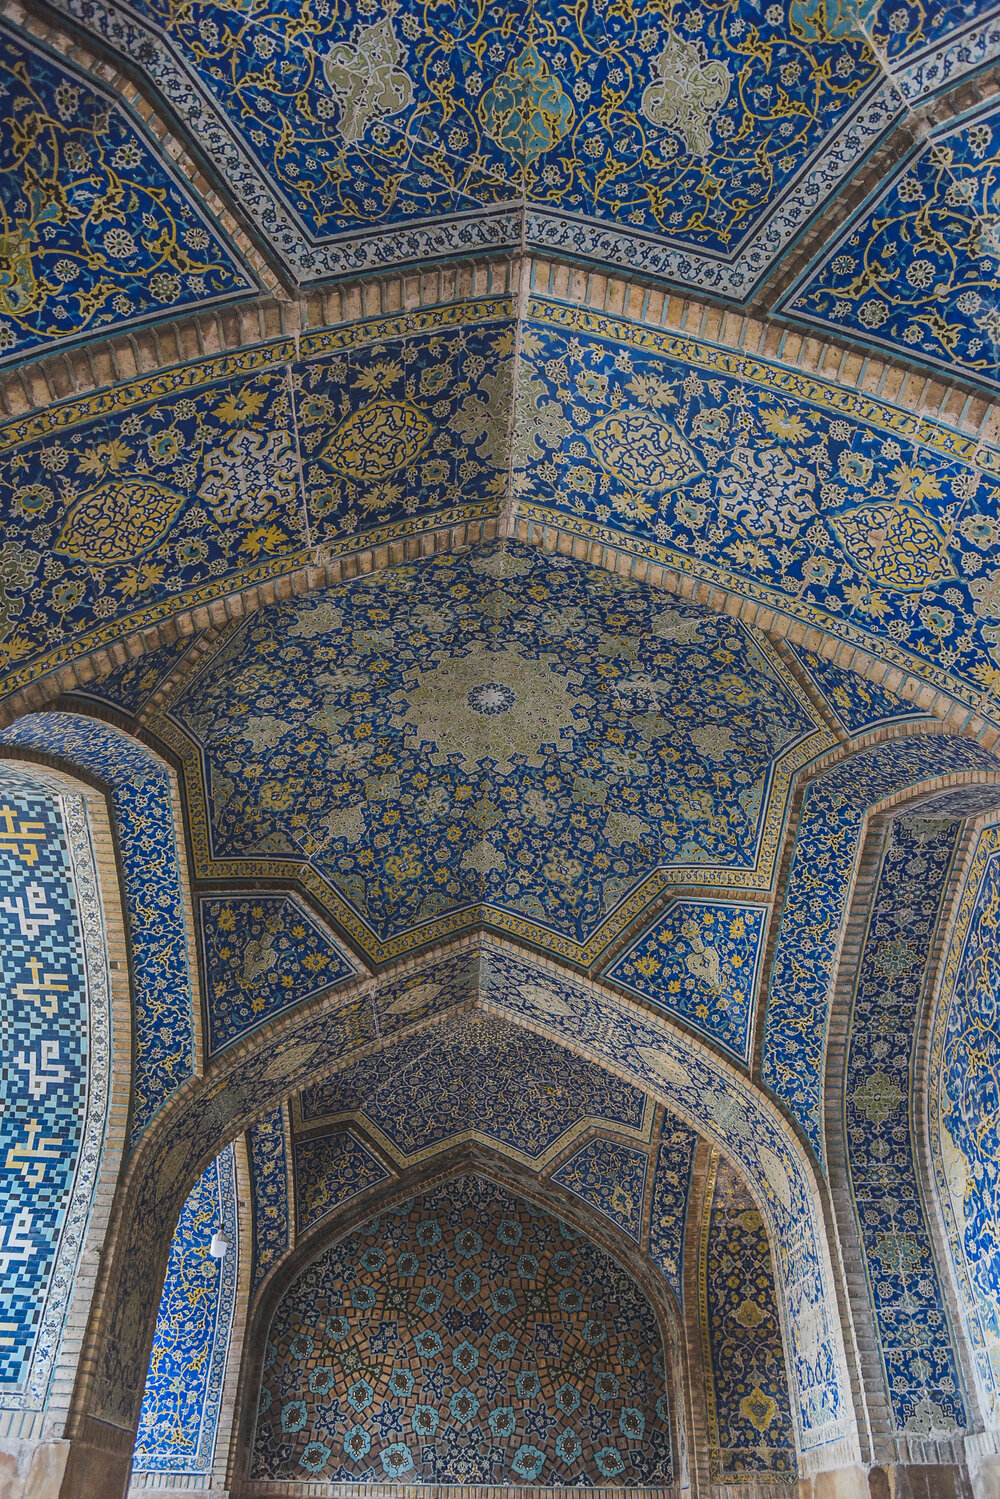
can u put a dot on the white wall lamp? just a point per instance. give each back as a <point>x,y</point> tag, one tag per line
<point>219,1245</point>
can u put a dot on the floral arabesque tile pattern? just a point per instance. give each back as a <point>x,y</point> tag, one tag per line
<point>668,1206</point>
<point>750,1433</point>
<point>477,1076</point>
<point>139,791</point>
<point>699,961</point>
<point>610,1177</point>
<point>271,1192</point>
<point>964,1108</point>
<point>465,1337</point>
<point>262,953</point>
<point>915,270</point>
<point>852,516</point>
<point>99,232</point>
<point>922,1374</point>
<point>55,1031</point>
<point>128,688</point>
<point>329,1171</point>
<point>857,704</point>
<point>187,1367</point>
<point>124,508</point>
<point>500,734</point>
<point>826,847</point>
<point>360,139</point>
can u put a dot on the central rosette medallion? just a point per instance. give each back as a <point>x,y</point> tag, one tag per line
<point>492,704</point>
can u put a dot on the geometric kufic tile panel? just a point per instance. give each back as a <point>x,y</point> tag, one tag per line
<point>610,1177</point>
<point>187,1367</point>
<point>55,1038</point>
<point>668,1208</point>
<point>826,847</point>
<point>750,1432</point>
<point>699,961</point>
<point>329,1171</point>
<point>857,704</point>
<point>922,1375</point>
<point>71,158</point>
<point>263,953</point>
<point>965,1108</point>
<point>270,1186</point>
<point>464,1337</point>
<point>139,791</point>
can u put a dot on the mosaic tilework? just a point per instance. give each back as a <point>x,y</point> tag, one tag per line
<point>128,688</point>
<point>714,1099</point>
<point>271,1191</point>
<point>262,953</point>
<point>964,1108</point>
<point>362,139</point>
<point>55,1024</point>
<point>187,1367</point>
<point>915,270</point>
<point>544,745</point>
<point>826,848</point>
<point>465,1337</point>
<point>98,234</point>
<point>857,704</point>
<point>178,488</point>
<point>139,789</point>
<point>923,1382</point>
<point>746,1386</point>
<point>480,1077</point>
<point>845,513</point>
<point>610,1177</point>
<point>668,1207</point>
<point>699,961</point>
<point>329,1171</point>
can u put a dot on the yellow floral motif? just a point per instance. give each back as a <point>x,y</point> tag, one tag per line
<point>526,111</point>
<point>896,545</point>
<point>758,1408</point>
<point>377,440</point>
<point>116,521</point>
<point>643,451</point>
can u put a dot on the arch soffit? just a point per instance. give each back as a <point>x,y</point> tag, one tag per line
<point>690,1079</point>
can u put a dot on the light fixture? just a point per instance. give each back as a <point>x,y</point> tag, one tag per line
<point>219,1245</point>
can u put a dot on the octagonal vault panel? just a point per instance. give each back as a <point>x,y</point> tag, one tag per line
<point>498,736</point>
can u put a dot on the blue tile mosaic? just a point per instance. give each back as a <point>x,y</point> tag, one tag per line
<point>964,1109</point>
<point>700,961</point>
<point>857,704</point>
<point>479,1077</point>
<point>610,1177</point>
<point>464,1337</point>
<point>915,270</point>
<point>329,1171</point>
<point>128,688</point>
<point>268,1155</point>
<point>853,516</point>
<point>922,1374</point>
<point>100,232</point>
<point>124,509</point>
<point>695,148</point>
<point>750,1436</point>
<point>826,848</point>
<point>263,954</point>
<point>672,1167</point>
<point>499,735</point>
<point>139,791</point>
<point>55,1030</point>
<point>178,1424</point>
